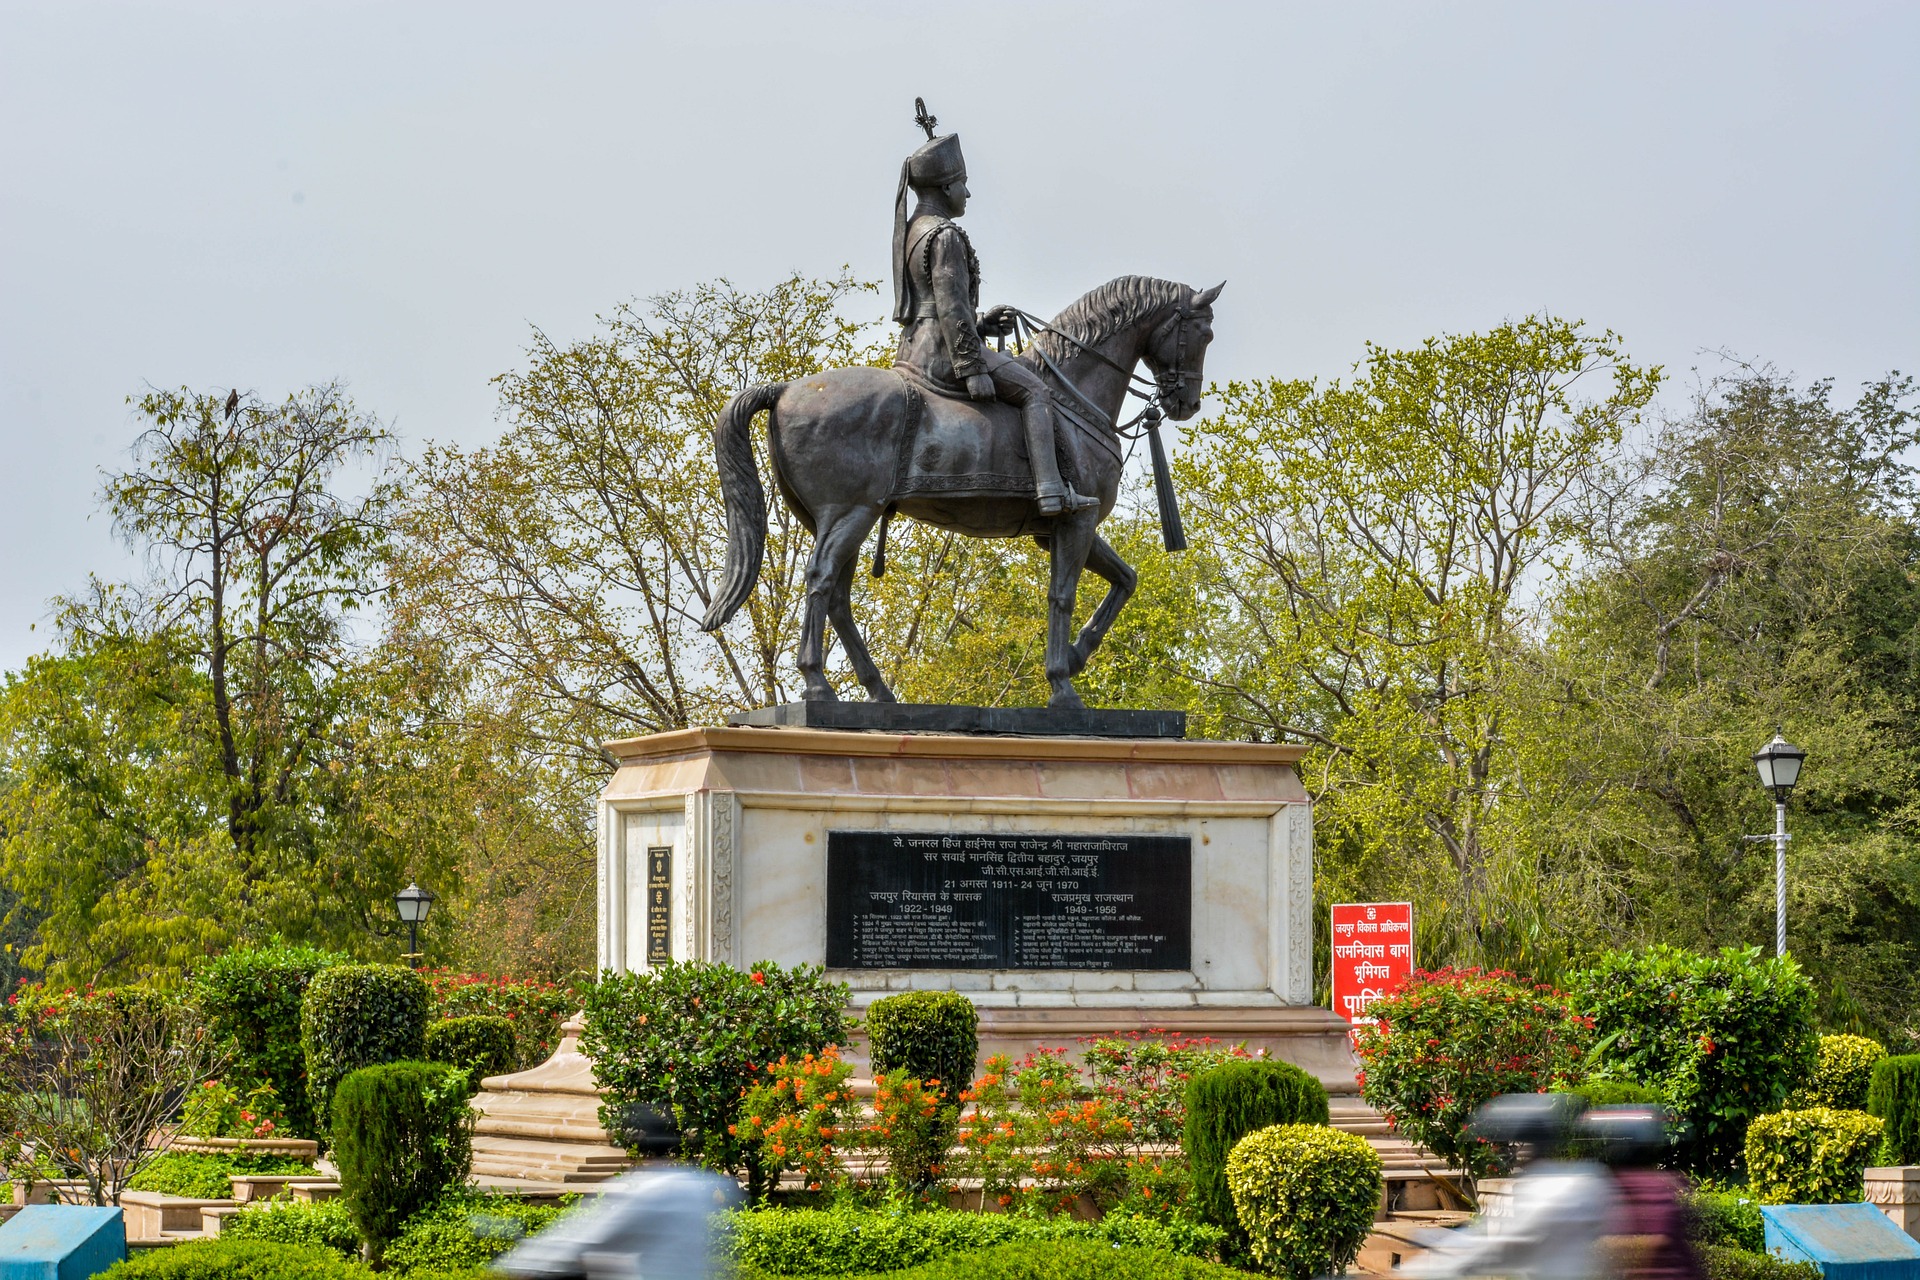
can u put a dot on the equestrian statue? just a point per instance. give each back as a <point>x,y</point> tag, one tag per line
<point>964,436</point>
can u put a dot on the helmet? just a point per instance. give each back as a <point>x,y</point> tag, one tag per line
<point>1540,1119</point>
<point>1630,1136</point>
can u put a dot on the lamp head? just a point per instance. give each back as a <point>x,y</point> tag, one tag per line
<point>413,903</point>
<point>1779,766</point>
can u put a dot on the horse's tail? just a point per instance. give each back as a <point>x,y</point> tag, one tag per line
<point>745,498</point>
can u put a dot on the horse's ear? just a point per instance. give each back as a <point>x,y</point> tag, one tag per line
<point>1206,296</point>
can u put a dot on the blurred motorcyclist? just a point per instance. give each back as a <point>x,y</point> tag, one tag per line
<point>1556,1213</point>
<point>655,1222</point>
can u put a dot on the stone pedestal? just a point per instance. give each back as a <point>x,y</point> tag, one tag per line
<point>543,1125</point>
<point>1895,1189</point>
<point>714,846</point>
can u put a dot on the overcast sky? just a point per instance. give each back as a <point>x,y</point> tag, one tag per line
<point>276,193</point>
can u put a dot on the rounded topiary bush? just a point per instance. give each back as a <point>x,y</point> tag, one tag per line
<point>1230,1101</point>
<point>1841,1075</point>
<point>402,1134</point>
<point>1894,1096</point>
<point>1306,1196</point>
<point>482,1045</point>
<point>925,1035</point>
<point>354,1016</point>
<point>1815,1156</point>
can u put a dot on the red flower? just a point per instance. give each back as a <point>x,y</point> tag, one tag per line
<point>759,978</point>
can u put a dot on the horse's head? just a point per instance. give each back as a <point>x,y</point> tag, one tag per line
<point>1176,352</point>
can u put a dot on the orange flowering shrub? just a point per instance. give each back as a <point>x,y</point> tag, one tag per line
<point>798,1117</point>
<point>914,1124</point>
<point>1034,1142</point>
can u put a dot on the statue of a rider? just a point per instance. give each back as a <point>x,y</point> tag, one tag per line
<point>936,288</point>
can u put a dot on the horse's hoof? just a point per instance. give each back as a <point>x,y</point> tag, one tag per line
<point>880,694</point>
<point>1077,660</point>
<point>1066,700</point>
<point>825,694</point>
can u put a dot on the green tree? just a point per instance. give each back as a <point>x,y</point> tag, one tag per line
<point>209,755</point>
<point>1378,544</point>
<point>1752,567</point>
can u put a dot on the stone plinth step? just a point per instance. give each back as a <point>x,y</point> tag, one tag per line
<point>532,1160</point>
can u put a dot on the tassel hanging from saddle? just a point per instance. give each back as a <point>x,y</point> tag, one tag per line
<point>880,550</point>
<point>1172,532</point>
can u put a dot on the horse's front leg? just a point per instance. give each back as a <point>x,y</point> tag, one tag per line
<point>1105,561</point>
<point>837,535</point>
<point>1070,541</point>
<point>840,610</point>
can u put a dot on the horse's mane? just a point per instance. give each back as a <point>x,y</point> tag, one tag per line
<point>1107,310</point>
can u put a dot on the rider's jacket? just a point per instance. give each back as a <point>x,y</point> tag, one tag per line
<point>941,340</point>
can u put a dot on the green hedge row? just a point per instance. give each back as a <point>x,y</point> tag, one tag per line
<point>1058,1259</point>
<point>1742,1264</point>
<point>460,1231</point>
<point>208,1177</point>
<point>251,998</point>
<point>850,1241</point>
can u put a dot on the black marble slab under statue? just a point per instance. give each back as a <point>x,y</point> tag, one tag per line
<point>927,717</point>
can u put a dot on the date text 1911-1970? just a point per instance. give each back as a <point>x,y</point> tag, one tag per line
<point>995,900</point>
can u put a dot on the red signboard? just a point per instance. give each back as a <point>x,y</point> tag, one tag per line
<point>1372,949</point>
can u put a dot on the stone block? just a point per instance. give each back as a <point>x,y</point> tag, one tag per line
<point>1032,980</point>
<point>1047,1000</point>
<point>152,1214</point>
<point>1845,1241</point>
<point>61,1242</point>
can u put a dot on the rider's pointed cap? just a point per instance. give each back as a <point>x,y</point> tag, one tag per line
<point>936,163</point>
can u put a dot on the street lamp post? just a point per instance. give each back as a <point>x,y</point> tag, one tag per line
<point>413,903</point>
<point>1779,765</point>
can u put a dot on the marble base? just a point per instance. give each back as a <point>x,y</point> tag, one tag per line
<point>731,826</point>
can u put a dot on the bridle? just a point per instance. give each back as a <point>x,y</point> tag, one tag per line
<point>1170,381</point>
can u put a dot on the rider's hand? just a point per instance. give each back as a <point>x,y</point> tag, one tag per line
<point>980,387</point>
<point>996,322</point>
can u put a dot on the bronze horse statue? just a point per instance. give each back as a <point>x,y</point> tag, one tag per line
<point>850,446</point>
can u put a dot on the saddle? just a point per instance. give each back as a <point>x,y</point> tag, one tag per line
<point>957,447</point>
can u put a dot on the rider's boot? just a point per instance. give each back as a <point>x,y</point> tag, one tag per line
<point>1054,495</point>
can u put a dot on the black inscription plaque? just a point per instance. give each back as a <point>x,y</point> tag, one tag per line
<point>659,904</point>
<point>946,900</point>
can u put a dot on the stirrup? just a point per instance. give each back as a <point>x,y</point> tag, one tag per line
<point>1064,502</point>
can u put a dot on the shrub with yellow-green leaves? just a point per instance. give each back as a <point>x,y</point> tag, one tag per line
<point>1306,1196</point>
<point>1841,1075</point>
<point>1814,1156</point>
